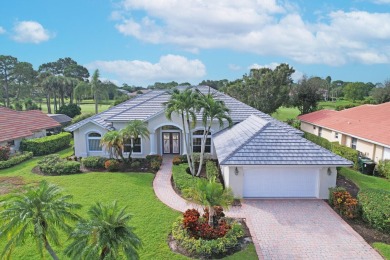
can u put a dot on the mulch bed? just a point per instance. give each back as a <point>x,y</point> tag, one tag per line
<point>243,243</point>
<point>369,234</point>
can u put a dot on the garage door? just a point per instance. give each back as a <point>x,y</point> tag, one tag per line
<point>280,182</point>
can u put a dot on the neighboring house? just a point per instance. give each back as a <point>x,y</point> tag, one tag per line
<point>17,125</point>
<point>365,128</point>
<point>291,167</point>
<point>62,119</point>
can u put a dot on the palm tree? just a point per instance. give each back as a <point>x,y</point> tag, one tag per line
<point>95,88</point>
<point>184,103</point>
<point>113,142</point>
<point>105,235</point>
<point>39,212</point>
<point>211,109</point>
<point>210,194</point>
<point>135,129</point>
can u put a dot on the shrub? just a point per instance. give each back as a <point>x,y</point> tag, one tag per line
<point>15,160</point>
<point>383,168</point>
<point>111,165</point>
<point>135,164</point>
<point>155,165</point>
<point>211,170</point>
<point>196,156</point>
<point>81,117</point>
<point>331,195</point>
<point>94,162</point>
<point>345,204</point>
<point>54,165</point>
<point>318,140</point>
<point>70,110</point>
<point>181,179</point>
<point>176,160</point>
<point>375,205</point>
<point>154,157</point>
<point>183,158</point>
<point>203,247</point>
<point>46,145</point>
<point>346,152</point>
<point>4,153</point>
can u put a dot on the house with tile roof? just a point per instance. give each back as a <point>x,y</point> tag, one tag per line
<point>365,128</point>
<point>259,156</point>
<point>17,125</point>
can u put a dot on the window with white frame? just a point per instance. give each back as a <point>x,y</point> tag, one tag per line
<point>197,137</point>
<point>336,135</point>
<point>94,142</point>
<point>136,142</point>
<point>353,143</point>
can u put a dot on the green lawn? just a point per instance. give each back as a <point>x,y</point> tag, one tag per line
<point>334,104</point>
<point>369,182</point>
<point>284,113</point>
<point>151,218</point>
<point>85,108</point>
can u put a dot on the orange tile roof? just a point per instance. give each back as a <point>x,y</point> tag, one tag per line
<point>371,122</point>
<point>18,124</point>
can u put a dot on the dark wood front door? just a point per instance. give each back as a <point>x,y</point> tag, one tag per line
<point>171,143</point>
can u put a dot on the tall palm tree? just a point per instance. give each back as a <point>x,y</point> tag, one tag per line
<point>105,235</point>
<point>211,109</point>
<point>38,212</point>
<point>184,103</point>
<point>135,129</point>
<point>210,194</point>
<point>113,142</point>
<point>95,88</point>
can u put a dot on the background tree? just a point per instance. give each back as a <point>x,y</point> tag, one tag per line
<point>105,235</point>
<point>357,90</point>
<point>306,95</point>
<point>215,84</point>
<point>134,130</point>
<point>7,68</point>
<point>264,89</point>
<point>81,91</point>
<point>184,104</point>
<point>382,94</point>
<point>98,89</point>
<point>23,80</point>
<point>39,212</point>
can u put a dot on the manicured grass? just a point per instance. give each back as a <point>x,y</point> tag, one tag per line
<point>85,108</point>
<point>284,113</point>
<point>334,104</point>
<point>365,181</point>
<point>151,218</point>
<point>384,249</point>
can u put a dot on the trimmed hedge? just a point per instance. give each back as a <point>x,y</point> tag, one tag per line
<point>46,145</point>
<point>211,170</point>
<point>335,147</point>
<point>94,162</point>
<point>375,205</point>
<point>383,168</point>
<point>54,165</point>
<point>14,160</point>
<point>181,179</point>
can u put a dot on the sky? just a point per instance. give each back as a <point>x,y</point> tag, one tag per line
<point>140,42</point>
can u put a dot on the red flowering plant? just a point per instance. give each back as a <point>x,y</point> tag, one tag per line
<point>4,153</point>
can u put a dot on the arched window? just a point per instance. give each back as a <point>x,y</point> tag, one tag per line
<point>94,142</point>
<point>197,137</point>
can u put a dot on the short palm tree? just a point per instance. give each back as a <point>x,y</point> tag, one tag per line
<point>135,129</point>
<point>113,142</point>
<point>210,194</point>
<point>105,235</point>
<point>38,212</point>
<point>211,109</point>
<point>184,103</point>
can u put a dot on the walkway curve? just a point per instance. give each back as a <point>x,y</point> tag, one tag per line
<point>286,229</point>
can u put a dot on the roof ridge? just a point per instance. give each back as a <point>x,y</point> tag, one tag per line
<point>249,139</point>
<point>136,105</point>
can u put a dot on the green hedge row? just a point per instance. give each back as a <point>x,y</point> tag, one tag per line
<point>335,147</point>
<point>375,205</point>
<point>15,160</point>
<point>181,179</point>
<point>46,145</point>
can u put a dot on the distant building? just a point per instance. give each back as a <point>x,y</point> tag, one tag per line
<point>365,128</point>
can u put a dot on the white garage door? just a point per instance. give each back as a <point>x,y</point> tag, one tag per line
<point>280,182</point>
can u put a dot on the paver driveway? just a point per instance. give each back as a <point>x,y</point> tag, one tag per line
<point>284,229</point>
<point>303,229</point>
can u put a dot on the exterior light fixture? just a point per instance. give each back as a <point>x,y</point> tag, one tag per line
<point>236,171</point>
<point>329,171</point>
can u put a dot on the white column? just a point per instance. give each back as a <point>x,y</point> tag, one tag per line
<point>153,146</point>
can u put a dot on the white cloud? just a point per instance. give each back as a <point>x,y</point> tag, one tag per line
<point>263,27</point>
<point>30,32</point>
<point>2,30</point>
<point>297,75</point>
<point>168,68</point>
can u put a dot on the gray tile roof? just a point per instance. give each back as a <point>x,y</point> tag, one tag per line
<point>258,142</point>
<point>150,104</point>
<point>60,118</point>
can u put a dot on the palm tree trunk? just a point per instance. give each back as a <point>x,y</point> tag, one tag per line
<point>203,147</point>
<point>190,145</point>
<point>48,103</point>
<point>96,103</point>
<point>104,252</point>
<point>186,145</point>
<point>50,249</point>
<point>211,215</point>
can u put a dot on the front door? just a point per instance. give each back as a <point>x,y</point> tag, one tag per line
<point>171,143</point>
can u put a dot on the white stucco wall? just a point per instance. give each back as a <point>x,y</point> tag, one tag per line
<point>326,181</point>
<point>80,140</point>
<point>235,182</point>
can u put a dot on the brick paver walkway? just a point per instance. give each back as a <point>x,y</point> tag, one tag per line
<point>283,229</point>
